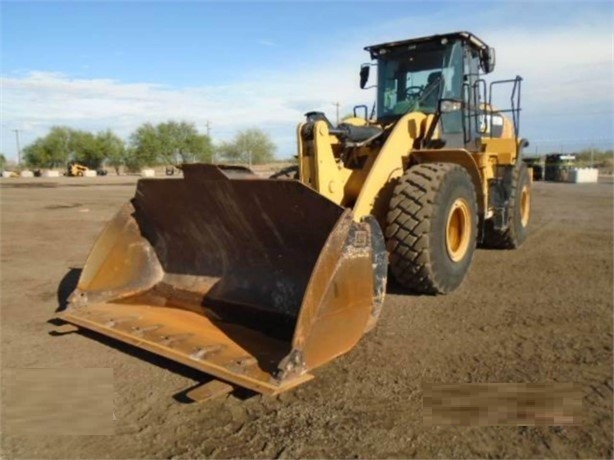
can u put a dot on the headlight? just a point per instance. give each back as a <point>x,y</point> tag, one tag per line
<point>447,106</point>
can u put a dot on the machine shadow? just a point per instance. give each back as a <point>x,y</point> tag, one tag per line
<point>395,288</point>
<point>66,286</point>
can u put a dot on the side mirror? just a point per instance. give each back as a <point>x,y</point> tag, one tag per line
<point>364,75</point>
<point>488,60</point>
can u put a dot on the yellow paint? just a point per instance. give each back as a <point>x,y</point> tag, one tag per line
<point>363,178</point>
<point>387,165</point>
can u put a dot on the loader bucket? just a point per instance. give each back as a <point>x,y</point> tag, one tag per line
<point>253,281</point>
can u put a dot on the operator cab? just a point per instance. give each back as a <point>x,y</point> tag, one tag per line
<point>417,75</point>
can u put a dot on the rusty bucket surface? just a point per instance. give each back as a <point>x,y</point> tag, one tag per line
<point>251,280</point>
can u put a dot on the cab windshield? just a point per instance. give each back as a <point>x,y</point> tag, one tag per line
<point>414,78</point>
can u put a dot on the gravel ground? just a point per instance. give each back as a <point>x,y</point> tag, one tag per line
<point>541,314</point>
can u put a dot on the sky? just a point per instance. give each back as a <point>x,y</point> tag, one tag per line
<point>243,64</point>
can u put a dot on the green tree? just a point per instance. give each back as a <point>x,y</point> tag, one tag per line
<point>33,154</point>
<point>169,142</point>
<point>132,161</point>
<point>252,146</point>
<point>112,149</point>
<point>596,157</point>
<point>181,139</point>
<point>228,151</point>
<point>50,151</point>
<point>85,149</point>
<point>145,147</point>
<point>2,161</point>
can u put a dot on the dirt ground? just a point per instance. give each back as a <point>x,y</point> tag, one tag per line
<point>540,314</point>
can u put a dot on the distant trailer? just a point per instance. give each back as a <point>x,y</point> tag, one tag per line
<point>558,167</point>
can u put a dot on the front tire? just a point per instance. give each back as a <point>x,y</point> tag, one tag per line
<point>431,227</point>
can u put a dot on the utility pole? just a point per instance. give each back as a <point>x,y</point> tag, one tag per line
<point>18,147</point>
<point>336,104</point>
<point>208,128</point>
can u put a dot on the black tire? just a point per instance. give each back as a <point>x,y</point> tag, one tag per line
<point>429,204</point>
<point>518,211</point>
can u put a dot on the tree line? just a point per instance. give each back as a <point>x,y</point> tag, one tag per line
<point>595,157</point>
<point>167,143</point>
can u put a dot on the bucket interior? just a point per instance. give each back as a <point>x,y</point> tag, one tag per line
<point>241,251</point>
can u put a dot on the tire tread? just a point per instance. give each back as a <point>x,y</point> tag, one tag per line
<point>409,222</point>
<point>508,238</point>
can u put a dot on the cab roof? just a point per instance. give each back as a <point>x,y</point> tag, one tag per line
<point>466,36</point>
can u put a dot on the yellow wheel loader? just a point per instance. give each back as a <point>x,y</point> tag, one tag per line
<point>259,281</point>
<point>74,169</point>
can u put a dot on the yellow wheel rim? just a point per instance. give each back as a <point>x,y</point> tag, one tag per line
<point>525,206</point>
<point>458,229</point>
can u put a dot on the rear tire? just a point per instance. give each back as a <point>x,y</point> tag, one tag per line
<point>431,227</point>
<point>518,211</point>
